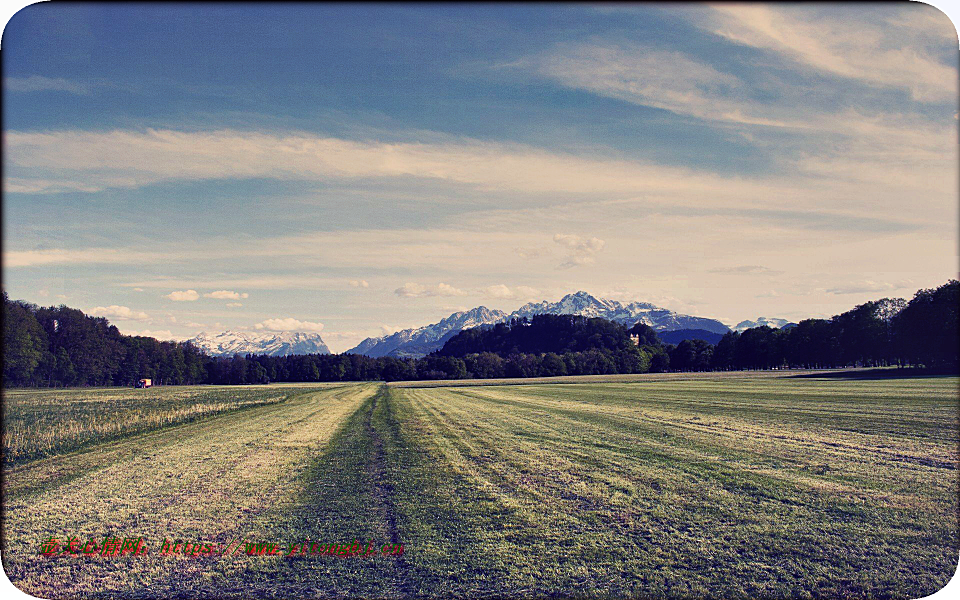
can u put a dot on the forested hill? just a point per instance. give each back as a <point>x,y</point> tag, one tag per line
<point>540,334</point>
<point>61,346</point>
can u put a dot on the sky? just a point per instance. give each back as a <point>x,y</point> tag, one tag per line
<point>358,169</point>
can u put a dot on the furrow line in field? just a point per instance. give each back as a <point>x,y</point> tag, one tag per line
<point>203,482</point>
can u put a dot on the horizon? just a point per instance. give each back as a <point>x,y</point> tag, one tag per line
<point>267,332</point>
<point>353,171</point>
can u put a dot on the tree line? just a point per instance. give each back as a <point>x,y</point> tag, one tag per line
<point>61,346</point>
<point>888,332</point>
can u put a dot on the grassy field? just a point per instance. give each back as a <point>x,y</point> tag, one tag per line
<point>742,485</point>
<point>39,423</point>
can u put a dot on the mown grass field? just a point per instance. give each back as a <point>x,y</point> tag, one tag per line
<point>720,486</point>
<point>39,423</point>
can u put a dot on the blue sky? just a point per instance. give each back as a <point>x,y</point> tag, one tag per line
<point>358,169</point>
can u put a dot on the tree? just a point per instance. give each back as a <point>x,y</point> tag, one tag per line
<point>660,361</point>
<point>24,342</point>
<point>552,365</point>
<point>926,330</point>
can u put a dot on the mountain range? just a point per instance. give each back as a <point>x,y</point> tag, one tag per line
<point>762,321</point>
<point>420,341</point>
<point>271,343</point>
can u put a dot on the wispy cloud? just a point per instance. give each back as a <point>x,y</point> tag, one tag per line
<point>885,157</point>
<point>500,291</point>
<point>846,45</point>
<point>751,269</point>
<point>61,256</point>
<point>289,324</point>
<point>98,160</point>
<point>39,83</point>
<point>416,290</point>
<point>652,77</point>
<point>580,250</point>
<point>867,286</point>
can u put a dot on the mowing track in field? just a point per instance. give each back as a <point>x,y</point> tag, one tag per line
<point>209,481</point>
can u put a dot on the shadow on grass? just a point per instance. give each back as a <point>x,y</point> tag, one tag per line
<point>878,373</point>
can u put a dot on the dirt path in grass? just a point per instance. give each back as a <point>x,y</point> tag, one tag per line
<point>203,482</point>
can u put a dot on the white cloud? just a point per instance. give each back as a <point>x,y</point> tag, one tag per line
<point>39,83</point>
<point>289,324</point>
<point>359,284</point>
<point>871,161</point>
<point>183,296</point>
<point>416,290</point>
<point>410,290</point>
<point>234,304</point>
<point>119,312</point>
<point>501,291</point>
<point>226,295</point>
<point>448,290</point>
<point>581,250</point>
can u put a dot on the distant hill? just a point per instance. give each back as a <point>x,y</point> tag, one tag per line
<point>677,336</point>
<point>539,335</point>
<point>272,343</point>
<point>417,342</point>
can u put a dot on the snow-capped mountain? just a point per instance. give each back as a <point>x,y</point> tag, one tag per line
<point>272,343</point>
<point>423,340</point>
<point>760,322</point>
<point>586,305</point>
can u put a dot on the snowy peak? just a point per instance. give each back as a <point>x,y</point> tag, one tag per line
<point>423,340</point>
<point>271,343</point>
<point>470,318</point>
<point>775,323</point>
<point>580,303</point>
<point>586,305</point>
<point>420,341</point>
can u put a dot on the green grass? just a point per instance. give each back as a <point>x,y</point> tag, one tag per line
<point>212,480</point>
<point>717,486</point>
<point>38,423</point>
<point>744,485</point>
